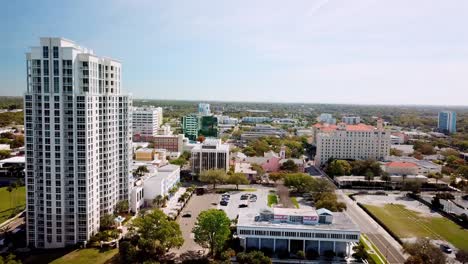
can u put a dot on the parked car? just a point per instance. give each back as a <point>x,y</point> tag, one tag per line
<point>223,203</point>
<point>187,214</point>
<point>244,197</point>
<point>446,248</point>
<point>243,205</point>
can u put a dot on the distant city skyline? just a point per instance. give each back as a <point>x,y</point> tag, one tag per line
<point>322,51</point>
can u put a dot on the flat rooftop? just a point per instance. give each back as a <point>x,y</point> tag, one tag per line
<point>341,222</point>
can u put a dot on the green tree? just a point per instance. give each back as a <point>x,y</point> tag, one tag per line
<point>106,222</point>
<point>423,249</point>
<point>212,230</point>
<point>4,154</point>
<point>369,176</point>
<point>329,201</point>
<point>237,179</point>
<point>140,171</point>
<point>258,168</point>
<point>213,177</point>
<point>275,176</point>
<point>339,168</point>
<point>122,207</point>
<point>253,257</point>
<point>463,171</point>
<point>396,152</point>
<point>127,252</point>
<point>249,151</point>
<point>289,166</point>
<point>300,182</point>
<point>158,201</point>
<point>10,259</point>
<point>157,234</point>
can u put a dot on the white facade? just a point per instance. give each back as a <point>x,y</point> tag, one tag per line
<point>78,142</point>
<point>357,142</point>
<point>211,154</point>
<point>161,182</point>
<point>147,120</point>
<point>294,230</point>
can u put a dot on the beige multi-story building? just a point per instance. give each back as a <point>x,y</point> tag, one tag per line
<point>78,142</point>
<point>211,154</point>
<point>354,142</point>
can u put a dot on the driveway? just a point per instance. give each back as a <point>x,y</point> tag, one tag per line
<point>196,205</point>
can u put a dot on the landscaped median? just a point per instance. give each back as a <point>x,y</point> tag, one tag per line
<point>272,199</point>
<point>372,250</point>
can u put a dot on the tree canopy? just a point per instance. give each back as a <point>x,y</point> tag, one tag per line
<point>213,177</point>
<point>237,179</point>
<point>423,250</point>
<point>212,230</point>
<point>289,166</point>
<point>156,233</point>
<point>338,168</point>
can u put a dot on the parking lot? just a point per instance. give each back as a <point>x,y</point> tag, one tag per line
<point>196,205</point>
<point>232,208</point>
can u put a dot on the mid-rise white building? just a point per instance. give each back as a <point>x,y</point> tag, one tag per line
<point>356,142</point>
<point>211,154</point>
<point>147,120</point>
<point>78,142</point>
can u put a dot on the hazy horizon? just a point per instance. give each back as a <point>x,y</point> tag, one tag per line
<point>362,52</point>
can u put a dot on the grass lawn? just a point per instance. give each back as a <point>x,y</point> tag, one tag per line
<point>7,202</point>
<point>294,201</point>
<point>407,223</point>
<point>272,199</point>
<point>88,255</point>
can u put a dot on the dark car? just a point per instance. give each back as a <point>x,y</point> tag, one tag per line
<point>446,248</point>
<point>244,197</point>
<point>223,203</point>
<point>243,205</point>
<point>187,214</point>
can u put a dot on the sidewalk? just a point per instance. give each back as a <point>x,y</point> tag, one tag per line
<point>173,204</point>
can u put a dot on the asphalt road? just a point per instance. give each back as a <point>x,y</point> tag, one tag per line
<point>376,234</point>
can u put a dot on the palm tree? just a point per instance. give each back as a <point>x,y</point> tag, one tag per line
<point>158,200</point>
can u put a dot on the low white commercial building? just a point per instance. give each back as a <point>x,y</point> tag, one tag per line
<point>158,181</point>
<point>293,230</point>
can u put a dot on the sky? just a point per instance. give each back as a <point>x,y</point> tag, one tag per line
<point>310,51</point>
